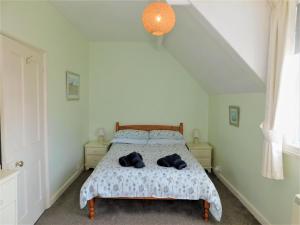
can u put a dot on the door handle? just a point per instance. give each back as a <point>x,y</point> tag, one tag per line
<point>20,164</point>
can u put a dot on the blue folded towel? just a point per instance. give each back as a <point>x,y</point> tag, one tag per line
<point>172,161</point>
<point>133,159</point>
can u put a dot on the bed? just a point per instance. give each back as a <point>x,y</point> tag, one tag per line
<point>110,180</point>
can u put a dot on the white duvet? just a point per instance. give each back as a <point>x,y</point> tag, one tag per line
<point>109,179</point>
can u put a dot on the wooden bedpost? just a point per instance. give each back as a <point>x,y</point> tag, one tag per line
<point>117,126</point>
<point>206,206</point>
<point>181,128</point>
<point>91,205</point>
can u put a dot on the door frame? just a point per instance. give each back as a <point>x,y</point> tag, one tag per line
<point>44,55</point>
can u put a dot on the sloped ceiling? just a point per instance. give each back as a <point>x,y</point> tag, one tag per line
<point>106,20</point>
<point>208,57</point>
<point>193,42</point>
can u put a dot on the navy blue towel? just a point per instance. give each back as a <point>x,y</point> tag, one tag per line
<point>133,159</point>
<point>172,161</point>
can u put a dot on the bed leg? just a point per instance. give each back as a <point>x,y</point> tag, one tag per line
<point>91,205</point>
<point>206,206</point>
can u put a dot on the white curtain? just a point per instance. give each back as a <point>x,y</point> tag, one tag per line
<point>280,41</point>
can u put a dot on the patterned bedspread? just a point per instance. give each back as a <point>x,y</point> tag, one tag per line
<point>109,179</point>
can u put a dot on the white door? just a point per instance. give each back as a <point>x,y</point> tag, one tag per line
<point>22,127</point>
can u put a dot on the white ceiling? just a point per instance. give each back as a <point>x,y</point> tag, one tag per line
<point>106,20</point>
<point>193,42</point>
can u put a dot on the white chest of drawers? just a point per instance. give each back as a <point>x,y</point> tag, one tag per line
<point>94,152</point>
<point>203,153</point>
<point>8,197</point>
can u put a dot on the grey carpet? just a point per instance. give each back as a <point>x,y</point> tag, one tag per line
<point>65,210</point>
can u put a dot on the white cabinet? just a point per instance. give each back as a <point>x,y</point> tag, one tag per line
<point>202,152</point>
<point>8,197</point>
<point>94,152</point>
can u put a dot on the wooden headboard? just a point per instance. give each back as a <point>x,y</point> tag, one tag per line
<point>150,127</point>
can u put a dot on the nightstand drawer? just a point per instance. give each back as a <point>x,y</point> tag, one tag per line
<point>95,151</point>
<point>93,159</point>
<point>206,163</point>
<point>90,158</point>
<point>92,164</point>
<point>202,153</point>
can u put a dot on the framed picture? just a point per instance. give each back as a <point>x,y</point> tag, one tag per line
<point>234,115</point>
<point>73,86</point>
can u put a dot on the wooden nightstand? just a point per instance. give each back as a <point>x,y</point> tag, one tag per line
<point>94,152</point>
<point>202,152</point>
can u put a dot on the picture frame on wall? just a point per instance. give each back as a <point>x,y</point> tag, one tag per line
<point>72,86</point>
<point>234,116</point>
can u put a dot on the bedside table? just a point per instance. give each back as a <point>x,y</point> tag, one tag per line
<point>94,152</point>
<point>202,152</point>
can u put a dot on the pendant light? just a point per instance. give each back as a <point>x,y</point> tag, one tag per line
<point>158,18</point>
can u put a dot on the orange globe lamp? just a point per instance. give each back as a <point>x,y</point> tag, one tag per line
<point>159,18</point>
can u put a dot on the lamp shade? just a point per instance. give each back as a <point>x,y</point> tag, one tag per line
<point>158,18</point>
<point>101,132</point>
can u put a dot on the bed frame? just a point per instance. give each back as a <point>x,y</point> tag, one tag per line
<point>91,203</point>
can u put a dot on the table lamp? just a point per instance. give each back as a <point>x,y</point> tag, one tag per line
<point>196,136</point>
<point>101,135</point>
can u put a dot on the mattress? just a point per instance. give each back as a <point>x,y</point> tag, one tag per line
<point>110,180</point>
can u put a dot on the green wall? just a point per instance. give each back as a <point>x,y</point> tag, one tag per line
<point>239,153</point>
<point>39,24</point>
<point>136,82</point>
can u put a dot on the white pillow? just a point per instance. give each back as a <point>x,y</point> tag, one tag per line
<point>129,141</point>
<point>132,134</point>
<point>165,134</point>
<point>165,141</point>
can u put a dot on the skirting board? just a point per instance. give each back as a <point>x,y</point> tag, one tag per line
<point>64,187</point>
<point>243,200</point>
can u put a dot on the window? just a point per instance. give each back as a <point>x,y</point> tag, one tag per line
<point>297,52</point>
<point>289,101</point>
<point>297,36</point>
<point>291,97</point>
<point>296,141</point>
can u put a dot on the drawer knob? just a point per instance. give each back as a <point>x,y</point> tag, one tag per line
<point>20,164</point>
